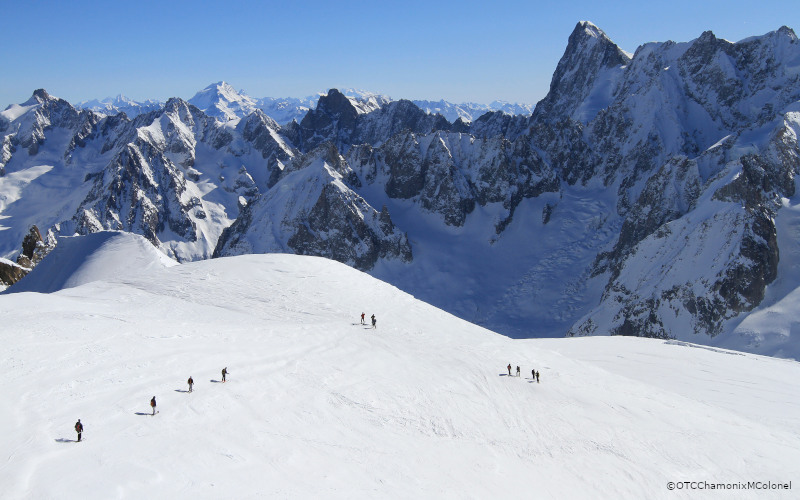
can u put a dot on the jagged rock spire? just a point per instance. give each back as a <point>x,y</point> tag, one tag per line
<point>589,52</point>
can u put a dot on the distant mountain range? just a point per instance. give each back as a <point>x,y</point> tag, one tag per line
<point>222,101</point>
<point>649,194</point>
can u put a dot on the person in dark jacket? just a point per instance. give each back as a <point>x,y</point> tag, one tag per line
<point>374,322</point>
<point>518,371</point>
<point>191,383</point>
<point>224,373</point>
<point>153,404</point>
<point>362,319</point>
<point>537,377</point>
<point>509,369</point>
<point>79,429</point>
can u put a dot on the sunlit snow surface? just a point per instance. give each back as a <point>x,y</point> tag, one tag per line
<point>318,406</point>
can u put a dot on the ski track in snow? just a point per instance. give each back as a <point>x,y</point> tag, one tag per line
<point>317,405</point>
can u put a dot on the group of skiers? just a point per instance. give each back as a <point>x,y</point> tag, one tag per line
<point>79,425</point>
<point>534,373</point>
<point>374,321</point>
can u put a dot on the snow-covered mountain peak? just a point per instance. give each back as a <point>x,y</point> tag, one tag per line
<point>786,30</point>
<point>120,100</point>
<point>783,42</point>
<point>258,116</point>
<point>217,91</point>
<point>123,99</point>
<point>40,96</point>
<point>335,102</point>
<point>221,100</point>
<point>365,101</point>
<point>585,77</point>
<point>591,29</point>
<point>224,88</point>
<point>120,104</point>
<point>176,104</point>
<point>586,33</point>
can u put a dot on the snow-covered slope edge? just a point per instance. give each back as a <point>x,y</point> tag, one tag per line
<point>105,255</point>
<point>318,405</point>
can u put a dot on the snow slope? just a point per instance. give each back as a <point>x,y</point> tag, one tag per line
<point>317,405</point>
<point>97,256</point>
<point>222,101</point>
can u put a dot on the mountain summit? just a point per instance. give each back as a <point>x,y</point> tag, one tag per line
<point>220,100</point>
<point>584,80</point>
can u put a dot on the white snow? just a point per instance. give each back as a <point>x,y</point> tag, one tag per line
<point>222,101</point>
<point>94,257</point>
<point>14,111</point>
<point>318,406</point>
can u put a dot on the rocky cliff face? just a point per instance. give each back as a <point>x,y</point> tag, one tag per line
<point>337,120</point>
<point>150,186</point>
<point>698,148</point>
<point>313,211</point>
<point>175,175</point>
<point>31,131</point>
<point>34,249</point>
<point>586,77</point>
<point>449,173</point>
<point>264,135</point>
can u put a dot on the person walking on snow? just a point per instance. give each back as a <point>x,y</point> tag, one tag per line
<point>533,374</point>
<point>374,322</point>
<point>518,371</point>
<point>362,319</point>
<point>537,377</point>
<point>191,383</point>
<point>224,373</point>
<point>153,404</point>
<point>509,369</point>
<point>79,429</point>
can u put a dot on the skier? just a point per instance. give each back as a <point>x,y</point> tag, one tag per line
<point>374,321</point>
<point>518,371</point>
<point>533,374</point>
<point>509,369</point>
<point>79,429</point>
<point>191,383</point>
<point>362,319</point>
<point>537,377</point>
<point>153,404</point>
<point>224,373</point>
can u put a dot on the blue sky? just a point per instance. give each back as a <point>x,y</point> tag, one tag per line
<point>461,51</point>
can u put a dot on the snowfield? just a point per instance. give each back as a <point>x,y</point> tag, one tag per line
<point>318,406</point>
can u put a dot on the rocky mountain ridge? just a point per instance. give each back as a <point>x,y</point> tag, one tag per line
<point>639,198</point>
